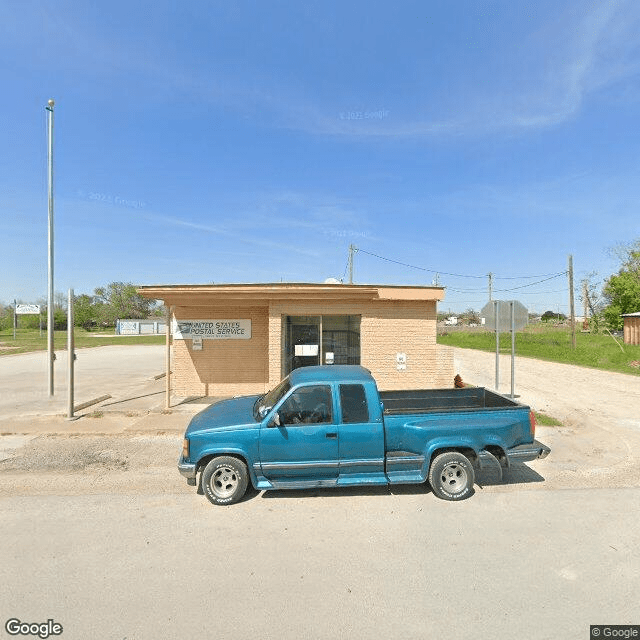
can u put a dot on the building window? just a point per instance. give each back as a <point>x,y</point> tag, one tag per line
<point>313,340</point>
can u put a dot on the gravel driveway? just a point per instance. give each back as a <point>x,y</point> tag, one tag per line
<point>599,442</point>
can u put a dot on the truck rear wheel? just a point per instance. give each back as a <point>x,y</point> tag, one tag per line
<point>451,476</point>
<point>225,480</point>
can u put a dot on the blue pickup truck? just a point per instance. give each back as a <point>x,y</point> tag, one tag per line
<point>329,426</point>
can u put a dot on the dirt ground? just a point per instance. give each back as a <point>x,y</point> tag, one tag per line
<point>596,447</point>
<point>599,442</point>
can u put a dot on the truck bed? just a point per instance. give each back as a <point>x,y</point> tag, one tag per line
<point>439,400</point>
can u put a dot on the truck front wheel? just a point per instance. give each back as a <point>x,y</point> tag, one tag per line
<point>225,480</point>
<point>451,476</point>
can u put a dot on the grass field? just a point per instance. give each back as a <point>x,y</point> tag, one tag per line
<point>554,344</point>
<point>30,340</point>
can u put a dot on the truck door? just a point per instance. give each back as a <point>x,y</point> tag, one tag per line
<point>304,448</point>
<point>361,438</point>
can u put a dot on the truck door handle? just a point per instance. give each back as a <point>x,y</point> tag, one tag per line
<point>332,435</point>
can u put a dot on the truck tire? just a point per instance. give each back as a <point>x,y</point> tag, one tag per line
<point>451,476</point>
<point>224,480</point>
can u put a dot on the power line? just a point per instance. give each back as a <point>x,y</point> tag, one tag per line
<point>346,266</point>
<point>412,266</point>
<point>524,286</point>
<point>532,284</point>
<point>547,276</point>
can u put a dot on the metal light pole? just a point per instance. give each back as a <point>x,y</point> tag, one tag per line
<point>496,305</point>
<point>50,322</point>
<point>71,356</point>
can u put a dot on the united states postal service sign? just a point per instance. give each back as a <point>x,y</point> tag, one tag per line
<point>212,329</point>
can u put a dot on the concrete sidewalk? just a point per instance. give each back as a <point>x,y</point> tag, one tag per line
<point>129,374</point>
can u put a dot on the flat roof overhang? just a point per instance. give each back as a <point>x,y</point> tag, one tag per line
<point>203,294</point>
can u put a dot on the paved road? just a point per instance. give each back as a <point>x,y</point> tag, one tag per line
<point>101,534</point>
<point>341,564</point>
<point>122,371</point>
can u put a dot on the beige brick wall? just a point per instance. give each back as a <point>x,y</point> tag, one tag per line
<point>386,329</point>
<point>223,367</point>
<point>235,367</point>
<point>444,367</point>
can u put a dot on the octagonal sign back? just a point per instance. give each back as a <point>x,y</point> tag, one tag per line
<point>521,315</point>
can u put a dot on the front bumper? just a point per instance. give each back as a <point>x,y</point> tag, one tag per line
<point>527,452</point>
<point>188,470</point>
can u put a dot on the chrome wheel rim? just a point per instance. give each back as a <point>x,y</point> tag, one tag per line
<point>224,482</point>
<point>453,478</point>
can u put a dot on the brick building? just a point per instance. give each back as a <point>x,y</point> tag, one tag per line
<point>243,339</point>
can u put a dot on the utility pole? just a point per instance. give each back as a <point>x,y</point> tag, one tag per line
<point>490,286</point>
<point>50,322</point>
<point>352,250</point>
<point>572,310</point>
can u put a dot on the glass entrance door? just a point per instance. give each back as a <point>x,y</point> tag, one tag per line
<point>302,342</point>
<point>313,340</point>
<point>340,339</point>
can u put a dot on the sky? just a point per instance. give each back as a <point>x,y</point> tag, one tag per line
<point>255,141</point>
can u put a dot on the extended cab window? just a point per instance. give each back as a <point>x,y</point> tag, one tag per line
<point>307,405</point>
<point>354,403</point>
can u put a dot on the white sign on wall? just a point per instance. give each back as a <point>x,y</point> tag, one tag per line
<point>27,309</point>
<point>212,329</point>
<point>306,350</point>
<point>128,328</point>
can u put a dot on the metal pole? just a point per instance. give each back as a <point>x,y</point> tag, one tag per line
<point>513,349</point>
<point>490,286</point>
<point>572,309</point>
<point>50,322</point>
<point>497,313</point>
<point>15,318</point>
<point>168,361</point>
<point>71,354</point>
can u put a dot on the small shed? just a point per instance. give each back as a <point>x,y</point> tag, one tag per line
<point>631,328</point>
<point>134,327</point>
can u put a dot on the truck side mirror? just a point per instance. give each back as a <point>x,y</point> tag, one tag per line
<point>275,421</point>
<point>262,411</point>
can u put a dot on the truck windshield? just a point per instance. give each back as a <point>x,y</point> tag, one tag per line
<point>265,403</point>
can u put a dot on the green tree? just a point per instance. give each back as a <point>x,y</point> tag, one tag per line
<point>86,311</point>
<point>471,316</point>
<point>121,300</point>
<point>553,316</point>
<point>59,319</point>
<point>591,297</point>
<point>6,317</point>
<point>622,290</point>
